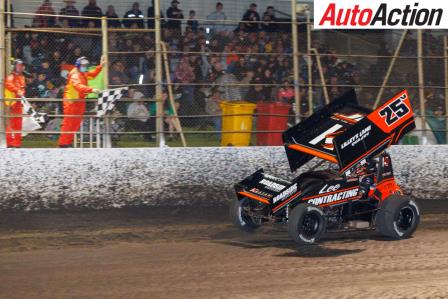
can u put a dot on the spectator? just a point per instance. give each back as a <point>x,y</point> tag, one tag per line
<point>45,69</point>
<point>69,10</point>
<point>192,23</point>
<point>217,15</point>
<point>117,71</point>
<point>139,115</point>
<point>251,19</point>
<point>169,117</point>
<point>92,10</point>
<point>285,93</point>
<point>174,15</point>
<point>44,21</point>
<point>230,88</point>
<point>246,81</point>
<point>42,84</point>
<point>134,17</point>
<point>184,72</point>
<point>112,18</point>
<point>213,107</point>
<point>55,62</point>
<point>269,20</point>
<point>73,55</point>
<point>255,93</point>
<point>151,16</point>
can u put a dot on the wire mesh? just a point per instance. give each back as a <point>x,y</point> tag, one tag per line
<point>212,59</point>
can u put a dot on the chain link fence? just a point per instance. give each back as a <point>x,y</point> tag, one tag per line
<point>211,61</point>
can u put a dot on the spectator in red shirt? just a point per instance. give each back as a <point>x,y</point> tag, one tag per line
<point>44,21</point>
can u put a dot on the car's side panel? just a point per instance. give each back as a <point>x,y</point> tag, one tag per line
<point>327,193</point>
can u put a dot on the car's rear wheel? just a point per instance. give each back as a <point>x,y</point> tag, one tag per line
<point>306,224</point>
<point>240,217</point>
<point>398,217</point>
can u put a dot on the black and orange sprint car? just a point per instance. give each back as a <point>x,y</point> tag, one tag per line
<point>360,192</point>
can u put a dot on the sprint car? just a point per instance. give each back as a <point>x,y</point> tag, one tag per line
<point>357,191</point>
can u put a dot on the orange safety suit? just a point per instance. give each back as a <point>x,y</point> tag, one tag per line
<point>75,92</point>
<point>14,84</point>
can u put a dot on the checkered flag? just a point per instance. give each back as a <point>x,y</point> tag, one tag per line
<point>107,100</point>
<point>39,118</point>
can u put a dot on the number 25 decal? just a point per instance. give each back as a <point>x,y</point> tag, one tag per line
<point>394,111</point>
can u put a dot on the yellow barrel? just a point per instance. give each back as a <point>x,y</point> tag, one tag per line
<point>237,116</point>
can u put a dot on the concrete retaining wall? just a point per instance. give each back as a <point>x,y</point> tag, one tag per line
<point>33,179</point>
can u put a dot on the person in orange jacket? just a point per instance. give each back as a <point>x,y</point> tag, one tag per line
<point>74,103</point>
<point>15,89</point>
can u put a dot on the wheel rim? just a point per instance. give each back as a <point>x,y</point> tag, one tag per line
<point>310,225</point>
<point>245,217</point>
<point>405,218</point>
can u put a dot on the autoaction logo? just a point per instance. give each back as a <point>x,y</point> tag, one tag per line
<point>389,14</point>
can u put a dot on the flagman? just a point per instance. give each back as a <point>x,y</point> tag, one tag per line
<point>15,89</point>
<point>75,93</point>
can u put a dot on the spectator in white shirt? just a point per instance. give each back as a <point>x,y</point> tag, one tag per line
<point>217,16</point>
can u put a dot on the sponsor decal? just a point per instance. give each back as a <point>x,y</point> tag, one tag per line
<point>386,14</point>
<point>336,129</point>
<point>275,179</point>
<point>261,193</point>
<point>290,191</point>
<point>395,110</point>
<point>272,185</point>
<point>358,137</point>
<point>347,194</point>
<point>327,188</point>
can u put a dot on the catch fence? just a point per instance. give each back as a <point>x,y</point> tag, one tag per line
<point>179,73</point>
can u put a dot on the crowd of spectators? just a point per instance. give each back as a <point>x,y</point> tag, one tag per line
<point>209,61</point>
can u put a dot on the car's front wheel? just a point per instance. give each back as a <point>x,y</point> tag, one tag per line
<point>306,223</point>
<point>398,217</point>
<point>239,214</point>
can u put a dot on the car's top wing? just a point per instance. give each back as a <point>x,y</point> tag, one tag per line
<point>373,134</point>
<point>314,136</point>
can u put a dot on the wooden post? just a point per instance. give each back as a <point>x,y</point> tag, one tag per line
<point>321,75</point>
<point>107,141</point>
<point>158,69</point>
<point>445,57</point>
<point>310,63</point>
<point>2,75</point>
<point>295,58</point>
<point>171,95</point>
<point>421,80</point>
<point>389,70</point>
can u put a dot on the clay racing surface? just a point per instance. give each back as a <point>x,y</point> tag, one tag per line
<point>160,253</point>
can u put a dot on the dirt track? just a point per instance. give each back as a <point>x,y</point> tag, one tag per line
<point>197,254</point>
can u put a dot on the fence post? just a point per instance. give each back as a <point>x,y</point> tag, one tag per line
<point>421,91</point>
<point>159,103</point>
<point>445,49</point>
<point>8,37</point>
<point>310,62</point>
<point>107,142</point>
<point>295,58</point>
<point>2,75</point>
<point>321,75</point>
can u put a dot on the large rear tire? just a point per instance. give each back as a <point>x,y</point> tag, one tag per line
<point>306,224</point>
<point>240,218</point>
<point>398,217</point>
